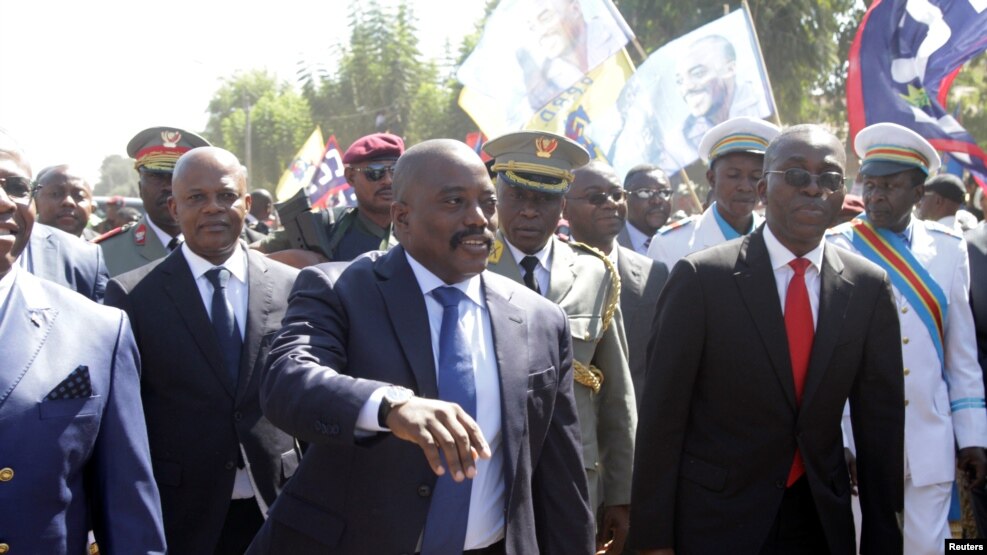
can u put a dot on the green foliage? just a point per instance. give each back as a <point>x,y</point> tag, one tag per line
<point>280,121</point>
<point>969,92</point>
<point>116,177</point>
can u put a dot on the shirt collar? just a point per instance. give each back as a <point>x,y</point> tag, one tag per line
<point>428,281</point>
<point>780,255</point>
<point>236,263</point>
<point>160,233</point>
<point>543,256</point>
<point>637,236</point>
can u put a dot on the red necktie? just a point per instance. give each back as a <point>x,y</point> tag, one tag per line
<point>798,325</point>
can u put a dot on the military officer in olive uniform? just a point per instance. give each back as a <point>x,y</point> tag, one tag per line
<point>155,151</point>
<point>534,171</point>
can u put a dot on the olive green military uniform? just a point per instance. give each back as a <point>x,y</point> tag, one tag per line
<point>342,237</point>
<point>130,247</point>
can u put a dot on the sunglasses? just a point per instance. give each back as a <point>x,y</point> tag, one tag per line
<point>376,173</point>
<point>799,178</point>
<point>648,194</point>
<point>598,199</point>
<point>17,188</point>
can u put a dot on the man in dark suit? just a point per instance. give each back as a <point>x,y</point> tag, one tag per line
<point>596,208</point>
<point>380,372</point>
<point>649,203</point>
<point>73,447</point>
<point>739,445</point>
<point>203,317</point>
<point>976,241</point>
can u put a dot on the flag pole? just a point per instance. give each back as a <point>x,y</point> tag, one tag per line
<point>757,44</point>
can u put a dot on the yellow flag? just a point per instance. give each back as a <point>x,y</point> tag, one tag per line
<point>302,168</point>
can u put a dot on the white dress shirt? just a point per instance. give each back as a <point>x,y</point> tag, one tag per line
<point>236,292</point>
<point>486,522</point>
<point>542,271</point>
<point>781,256</point>
<point>638,238</point>
<point>161,234</point>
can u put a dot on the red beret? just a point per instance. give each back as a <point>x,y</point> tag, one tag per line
<point>373,147</point>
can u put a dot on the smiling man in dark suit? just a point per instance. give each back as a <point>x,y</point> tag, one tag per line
<point>758,344</point>
<point>203,317</point>
<point>421,352</point>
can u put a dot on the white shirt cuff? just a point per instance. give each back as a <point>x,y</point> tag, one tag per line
<point>366,421</point>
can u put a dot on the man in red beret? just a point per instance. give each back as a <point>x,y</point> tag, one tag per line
<point>347,232</point>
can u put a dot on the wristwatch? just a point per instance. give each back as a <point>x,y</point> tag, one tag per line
<point>394,396</point>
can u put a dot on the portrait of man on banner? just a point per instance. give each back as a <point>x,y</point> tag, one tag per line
<point>684,88</point>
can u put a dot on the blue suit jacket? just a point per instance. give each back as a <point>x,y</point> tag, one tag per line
<point>66,260</point>
<point>74,463</point>
<point>345,337</point>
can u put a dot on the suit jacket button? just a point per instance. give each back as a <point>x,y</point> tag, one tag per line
<point>230,465</point>
<point>6,474</point>
<point>780,485</point>
<point>424,491</point>
<point>237,416</point>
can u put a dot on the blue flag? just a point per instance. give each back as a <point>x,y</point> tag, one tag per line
<point>903,62</point>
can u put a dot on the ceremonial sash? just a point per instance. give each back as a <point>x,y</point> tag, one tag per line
<point>889,251</point>
<point>726,229</point>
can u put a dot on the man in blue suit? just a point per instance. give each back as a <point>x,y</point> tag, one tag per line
<point>73,446</point>
<point>436,397</point>
<point>65,259</point>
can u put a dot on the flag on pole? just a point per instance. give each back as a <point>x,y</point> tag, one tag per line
<point>302,167</point>
<point>531,51</point>
<point>328,187</point>
<point>902,64</point>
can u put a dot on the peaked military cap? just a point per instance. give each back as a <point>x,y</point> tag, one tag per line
<point>536,160</point>
<point>740,134</point>
<point>158,148</point>
<point>889,148</point>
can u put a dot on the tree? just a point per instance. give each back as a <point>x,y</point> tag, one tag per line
<point>116,177</point>
<point>969,94</point>
<point>279,122</point>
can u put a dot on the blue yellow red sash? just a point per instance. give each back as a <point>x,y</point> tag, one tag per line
<point>889,251</point>
<point>726,229</point>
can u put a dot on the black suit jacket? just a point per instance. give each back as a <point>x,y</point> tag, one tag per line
<point>196,421</point>
<point>976,240</point>
<point>641,280</point>
<point>718,434</point>
<point>67,260</point>
<point>346,336</point>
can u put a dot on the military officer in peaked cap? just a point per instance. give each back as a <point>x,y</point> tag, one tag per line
<point>155,151</point>
<point>534,171</point>
<point>930,273</point>
<point>734,152</point>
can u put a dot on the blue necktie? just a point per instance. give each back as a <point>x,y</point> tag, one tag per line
<point>445,526</point>
<point>224,322</point>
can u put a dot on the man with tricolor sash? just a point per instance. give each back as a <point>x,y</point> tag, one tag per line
<point>734,151</point>
<point>929,269</point>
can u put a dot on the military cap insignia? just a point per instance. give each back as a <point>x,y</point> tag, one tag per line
<point>545,146</point>
<point>171,138</point>
<point>140,234</point>
<point>496,251</point>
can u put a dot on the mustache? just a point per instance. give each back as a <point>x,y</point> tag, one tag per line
<point>473,232</point>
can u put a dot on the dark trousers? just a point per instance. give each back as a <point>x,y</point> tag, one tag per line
<point>796,530</point>
<point>243,520</point>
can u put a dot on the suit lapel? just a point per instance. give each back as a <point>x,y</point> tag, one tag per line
<point>260,291</point>
<point>834,298</point>
<point>27,320</point>
<point>562,275</point>
<point>631,272</point>
<point>756,281</point>
<point>181,289</point>
<point>510,333</point>
<point>409,317</point>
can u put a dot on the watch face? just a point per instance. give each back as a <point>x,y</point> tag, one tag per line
<point>396,394</point>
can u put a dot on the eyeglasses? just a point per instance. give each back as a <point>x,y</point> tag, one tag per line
<point>17,188</point>
<point>647,194</point>
<point>598,199</point>
<point>799,178</point>
<point>375,173</point>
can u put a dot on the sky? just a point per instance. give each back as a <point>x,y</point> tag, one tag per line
<point>79,79</point>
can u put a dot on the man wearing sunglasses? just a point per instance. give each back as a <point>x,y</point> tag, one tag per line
<point>344,233</point>
<point>534,171</point>
<point>734,151</point>
<point>649,195</point>
<point>930,271</point>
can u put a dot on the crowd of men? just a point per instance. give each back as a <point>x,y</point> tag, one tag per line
<point>438,370</point>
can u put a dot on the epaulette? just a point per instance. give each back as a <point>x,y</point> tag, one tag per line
<point>614,299</point>
<point>676,225</point>
<point>840,229</point>
<point>113,233</point>
<point>936,226</point>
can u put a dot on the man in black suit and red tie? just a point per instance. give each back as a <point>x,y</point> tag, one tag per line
<point>759,343</point>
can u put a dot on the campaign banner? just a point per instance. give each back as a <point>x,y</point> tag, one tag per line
<point>684,88</point>
<point>328,187</point>
<point>302,167</point>
<point>530,52</point>
<point>902,64</point>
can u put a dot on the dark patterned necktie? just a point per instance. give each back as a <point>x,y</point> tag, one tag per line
<point>173,244</point>
<point>448,512</point>
<point>529,263</point>
<point>224,322</point>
